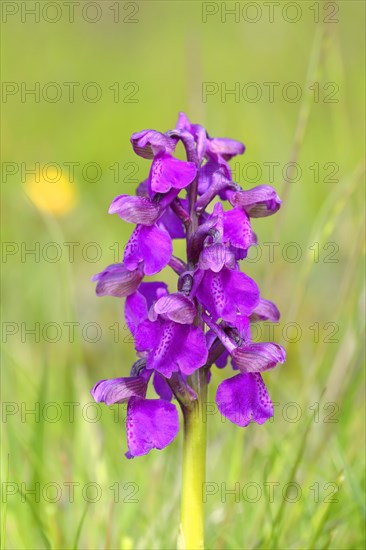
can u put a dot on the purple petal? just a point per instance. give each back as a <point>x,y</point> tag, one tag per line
<point>116,280</point>
<point>264,311</point>
<point>177,307</point>
<point>206,176</point>
<point>167,172</point>
<point>197,240</point>
<point>119,390</point>
<point>183,122</point>
<point>198,132</point>
<point>242,324</point>
<point>220,186</point>
<point>153,291</point>
<point>138,304</point>
<point>148,335</point>
<point>166,199</point>
<point>150,245</point>
<point>191,350</point>
<point>225,147</point>
<point>201,140</point>
<point>157,339</point>
<point>135,310</point>
<point>148,143</point>
<point>212,174</point>
<point>258,357</point>
<point>239,253</point>
<point>237,228</point>
<point>215,257</point>
<point>171,346</point>
<point>257,202</point>
<point>172,224</point>
<point>162,387</point>
<point>150,424</point>
<point>142,189</point>
<point>156,248</point>
<point>227,294</point>
<point>221,362</point>
<point>244,398</point>
<point>210,337</point>
<point>218,216</point>
<point>216,350</point>
<point>135,209</point>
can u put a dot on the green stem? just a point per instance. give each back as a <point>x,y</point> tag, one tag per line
<point>191,536</point>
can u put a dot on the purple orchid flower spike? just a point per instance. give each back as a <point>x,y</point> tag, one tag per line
<point>169,328</point>
<point>180,334</point>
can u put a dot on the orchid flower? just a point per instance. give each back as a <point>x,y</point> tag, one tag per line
<point>180,335</point>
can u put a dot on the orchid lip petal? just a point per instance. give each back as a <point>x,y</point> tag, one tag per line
<point>168,172</point>
<point>171,346</point>
<point>227,293</point>
<point>244,398</point>
<point>149,245</point>
<point>151,424</point>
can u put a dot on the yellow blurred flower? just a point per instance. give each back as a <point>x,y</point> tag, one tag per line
<point>51,192</point>
<point>126,543</point>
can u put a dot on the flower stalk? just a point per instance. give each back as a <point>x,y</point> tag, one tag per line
<point>191,533</point>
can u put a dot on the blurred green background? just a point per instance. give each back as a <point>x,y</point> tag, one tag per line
<point>150,60</point>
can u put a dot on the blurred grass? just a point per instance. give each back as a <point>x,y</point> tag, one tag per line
<point>168,54</point>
